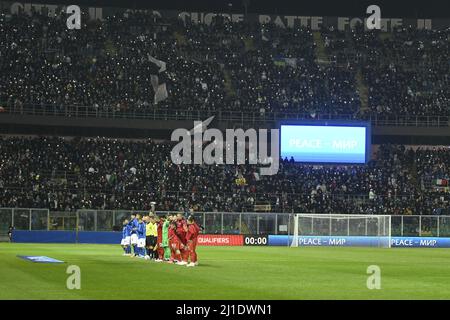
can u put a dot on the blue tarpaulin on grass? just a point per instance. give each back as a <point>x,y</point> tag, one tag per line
<point>40,259</point>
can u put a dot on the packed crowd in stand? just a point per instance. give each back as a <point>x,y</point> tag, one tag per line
<point>221,67</point>
<point>98,173</point>
<point>406,72</point>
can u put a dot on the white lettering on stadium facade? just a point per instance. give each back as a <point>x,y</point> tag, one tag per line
<point>284,21</point>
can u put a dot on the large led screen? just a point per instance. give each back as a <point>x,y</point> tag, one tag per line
<point>325,143</point>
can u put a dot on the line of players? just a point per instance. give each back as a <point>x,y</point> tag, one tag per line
<point>170,238</point>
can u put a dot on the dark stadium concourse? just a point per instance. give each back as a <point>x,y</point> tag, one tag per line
<point>158,129</point>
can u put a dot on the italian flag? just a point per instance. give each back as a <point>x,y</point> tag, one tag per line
<point>441,182</point>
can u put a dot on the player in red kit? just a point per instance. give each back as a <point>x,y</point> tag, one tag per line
<point>159,248</point>
<point>191,238</point>
<point>181,231</point>
<point>181,227</point>
<point>176,246</point>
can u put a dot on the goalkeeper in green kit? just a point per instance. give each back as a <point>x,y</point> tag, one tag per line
<point>165,238</point>
<point>162,242</point>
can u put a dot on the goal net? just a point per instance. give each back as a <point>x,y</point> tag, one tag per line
<point>341,230</point>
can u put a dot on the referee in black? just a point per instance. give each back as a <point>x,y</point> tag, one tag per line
<point>151,236</point>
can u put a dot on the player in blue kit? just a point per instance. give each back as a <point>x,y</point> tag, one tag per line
<point>141,238</point>
<point>126,237</point>
<point>134,223</point>
<point>126,233</point>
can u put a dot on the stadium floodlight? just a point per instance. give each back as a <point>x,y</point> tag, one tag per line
<point>341,230</point>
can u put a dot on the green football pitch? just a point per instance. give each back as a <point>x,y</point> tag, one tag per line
<point>226,273</point>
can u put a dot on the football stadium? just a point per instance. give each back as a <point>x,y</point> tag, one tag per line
<point>230,151</point>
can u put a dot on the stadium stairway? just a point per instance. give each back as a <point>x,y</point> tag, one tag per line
<point>244,228</point>
<point>110,47</point>
<point>363,92</point>
<point>321,55</point>
<point>229,88</point>
<point>249,44</point>
<point>385,35</point>
<point>181,39</point>
<point>422,182</point>
<point>414,174</point>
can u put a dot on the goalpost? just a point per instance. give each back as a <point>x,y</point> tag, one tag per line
<point>341,230</point>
